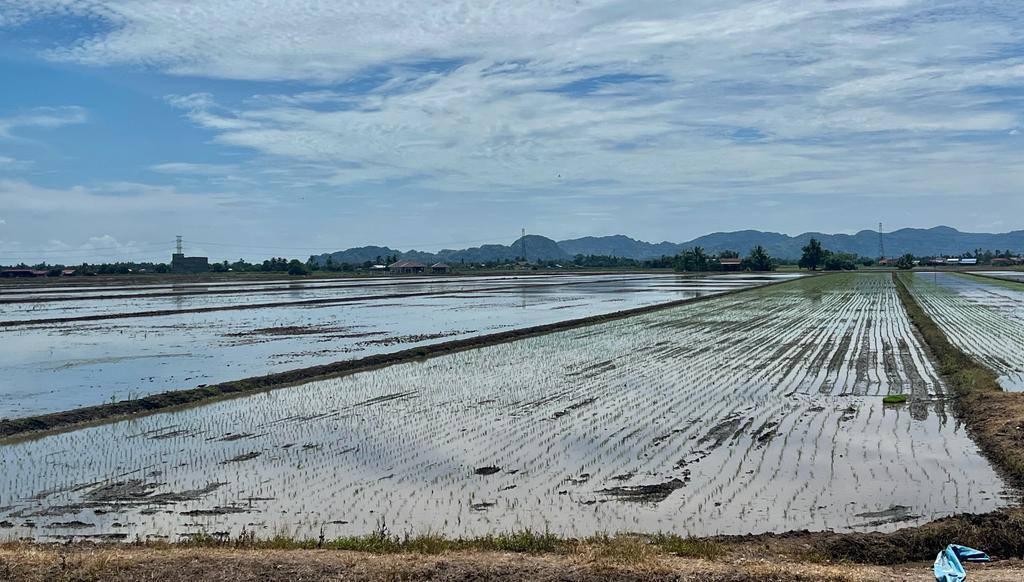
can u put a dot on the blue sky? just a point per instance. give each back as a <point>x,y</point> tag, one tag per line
<point>292,127</point>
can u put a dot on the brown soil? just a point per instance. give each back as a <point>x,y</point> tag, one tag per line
<point>28,563</point>
<point>181,398</point>
<point>655,493</point>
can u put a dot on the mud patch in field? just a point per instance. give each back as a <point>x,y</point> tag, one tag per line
<point>654,493</point>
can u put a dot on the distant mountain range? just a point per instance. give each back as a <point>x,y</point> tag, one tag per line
<point>941,240</point>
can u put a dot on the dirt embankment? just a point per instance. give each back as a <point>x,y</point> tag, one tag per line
<point>616,563</point>
<point>159,402</point>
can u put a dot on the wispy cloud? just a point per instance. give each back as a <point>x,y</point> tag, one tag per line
<point>577,102</point>
<point>43,118</point>
<point>188,168</point>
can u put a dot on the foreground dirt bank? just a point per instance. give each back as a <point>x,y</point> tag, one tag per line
<point>61,563</point>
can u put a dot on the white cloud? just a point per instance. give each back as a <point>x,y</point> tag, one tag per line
<point>188,168</point>
<point>583,100</point>
<point>9,164</point>
<point>116,200</point>
<point>120,211</point>
<point>43,118</point>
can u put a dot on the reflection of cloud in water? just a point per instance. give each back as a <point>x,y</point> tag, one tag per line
<point>765,406</point>
<point>219,346</point>
<point>112,360</point>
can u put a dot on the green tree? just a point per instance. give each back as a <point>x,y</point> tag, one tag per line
<point>840,261</point>
<point>700,259</point>
<point>296,268</point>
<point>694,259</point>
<point>905,262</point>
<point>759,260</point>
<point>813,255</point>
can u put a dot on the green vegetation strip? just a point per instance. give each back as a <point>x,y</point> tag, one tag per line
<point>994,417</point>
<point>180,398</point>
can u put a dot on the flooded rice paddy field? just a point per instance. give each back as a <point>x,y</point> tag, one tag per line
<point>46,306</point>
<point>60,366</point>
<point>1008,275</point>
<point>983,318</point>
<point>753,412</point>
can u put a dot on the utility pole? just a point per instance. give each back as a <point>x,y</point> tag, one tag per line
<point>522,243</point>
<point>881,243</point>
<point>178,244</point>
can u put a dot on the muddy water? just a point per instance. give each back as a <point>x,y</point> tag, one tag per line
<point>749,413</point>
<point>54,367</point>
<point>985,319</point>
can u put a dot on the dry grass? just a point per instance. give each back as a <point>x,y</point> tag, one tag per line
<point>626,559</point>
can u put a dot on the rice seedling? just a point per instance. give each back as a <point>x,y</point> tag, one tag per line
<point>751,412</point>
<point>983,318</point>
<point>90,362</point>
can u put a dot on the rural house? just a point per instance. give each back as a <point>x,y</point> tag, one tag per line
<point>407,267</point>
<point>730,264</point>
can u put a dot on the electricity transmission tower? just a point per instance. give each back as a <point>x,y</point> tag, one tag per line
<point>881,243</point>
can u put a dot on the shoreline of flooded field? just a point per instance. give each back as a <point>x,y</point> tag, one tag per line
<point>760,411</point>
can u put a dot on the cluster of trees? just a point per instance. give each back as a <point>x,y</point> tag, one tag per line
<point>603,261</point>
<point>985,256</point>
<point>814,256</point>
<point>330,265</point>
<point>696,259</point>
<point>272,265</point>
<point>119,268</point>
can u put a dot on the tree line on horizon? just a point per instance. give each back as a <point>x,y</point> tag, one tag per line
<point>813,257</point>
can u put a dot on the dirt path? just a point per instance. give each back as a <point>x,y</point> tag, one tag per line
<point>38,563</point>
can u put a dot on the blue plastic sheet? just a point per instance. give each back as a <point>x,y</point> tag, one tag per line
<point>948,566</point>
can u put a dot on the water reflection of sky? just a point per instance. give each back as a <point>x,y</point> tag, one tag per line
<point>55,367</point>
<point>766,408</point>
<point>983,318</point>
